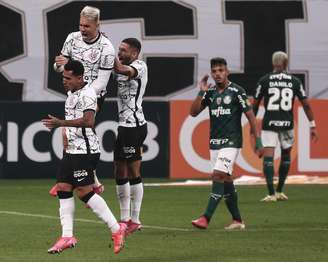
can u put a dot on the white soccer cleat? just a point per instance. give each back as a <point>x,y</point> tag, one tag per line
<point>235,225</point>
<point>280,196</point>
<point>269,198</point>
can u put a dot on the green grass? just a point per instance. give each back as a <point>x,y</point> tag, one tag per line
<point>296,230</point>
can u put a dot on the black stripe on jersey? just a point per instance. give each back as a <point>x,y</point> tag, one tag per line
<point>135,71</point>
<point>103,68</point>
<point>86,140</point>
<point>136,100</point>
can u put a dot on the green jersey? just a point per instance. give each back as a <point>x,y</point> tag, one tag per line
<point>225,109</point>
<point>279,91</point>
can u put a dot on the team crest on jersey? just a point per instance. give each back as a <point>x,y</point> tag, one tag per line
<point>219,100</point>
<point>227,100</point>
<point>92,55</point>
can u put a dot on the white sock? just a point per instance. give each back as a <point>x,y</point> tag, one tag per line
<point>136,200</point>
<point>66,213</point>
<point>100,208</point>
<point>123,195</point>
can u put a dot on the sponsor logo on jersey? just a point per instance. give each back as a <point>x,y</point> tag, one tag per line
<point>281,76</point>
<point>280,84</point>
<point>227,100</point>
<point>233,89</point>
<point>221,111</point>
<point>219,141</point>
<point>279,123</point>
<point>80,173</point>
<point>242,101</point>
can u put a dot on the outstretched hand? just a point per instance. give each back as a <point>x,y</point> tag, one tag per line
<point>203,85</point>
<point>314,134</point>
<point>51,122</point>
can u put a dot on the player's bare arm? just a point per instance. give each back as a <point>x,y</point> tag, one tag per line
<point>310,116</point>
<point>88,120</point>
<point>61,60</point>
<point>256,105</point>
<point>255,132</point>
<point>197,105</point>
<point>124,69</point>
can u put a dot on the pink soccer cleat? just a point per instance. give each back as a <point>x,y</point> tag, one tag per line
<point>62,244</point>
<point>53,191</point>
<point>132,227</point>
<point>118,238</point>
<point>201,222</point>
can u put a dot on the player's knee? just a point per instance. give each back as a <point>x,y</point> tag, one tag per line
<point>267,161</point>
<point>85,196</point>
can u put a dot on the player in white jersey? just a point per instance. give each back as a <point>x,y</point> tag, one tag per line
<point>77,167</point>
<point>96,53</point>
<point>131,75</point>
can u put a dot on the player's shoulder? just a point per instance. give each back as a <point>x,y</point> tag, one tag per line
<point>265,77</point>
<point>295,79</point>
<point>74,35</point>
<point>89,91</point>
<point>105,42</point>
<point>235,88</point>
<point>139,62</point>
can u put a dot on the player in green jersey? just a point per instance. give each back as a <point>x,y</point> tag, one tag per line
<point>279,89</point>
<point>226,102</point>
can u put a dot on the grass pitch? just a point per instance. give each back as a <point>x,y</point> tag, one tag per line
<point>296,230</point>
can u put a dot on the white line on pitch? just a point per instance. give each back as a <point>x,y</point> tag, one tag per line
<point>88,220</point>
<point>281,229</point>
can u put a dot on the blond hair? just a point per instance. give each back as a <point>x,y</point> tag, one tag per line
<point>91,12</point>
<point>279,58</point>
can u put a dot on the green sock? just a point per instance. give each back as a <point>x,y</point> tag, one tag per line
<point>215,197</point>
<point>231,200</point>
<point>268,172</point>
<point>283,171</point>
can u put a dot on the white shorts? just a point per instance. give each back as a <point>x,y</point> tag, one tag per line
<point>272,138</point>
<point>224,159</point>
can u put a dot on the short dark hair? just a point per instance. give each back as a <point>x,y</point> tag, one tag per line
<point>218,61</point>
<point>134,42</point>
<point>75,66</point>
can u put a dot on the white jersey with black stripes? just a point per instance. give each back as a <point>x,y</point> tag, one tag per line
<point>130,92</point>
<point>95,56</point>
<point>81,140</point>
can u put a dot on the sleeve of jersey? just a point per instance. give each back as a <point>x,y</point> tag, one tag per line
<point>300,92</point>
<point>244,101</point>
<point>206,100</point>
<point>89,102</point>
<point>258,92</point>
<point>107,58</point>
<point>67,47</point>
<point>140,68</point>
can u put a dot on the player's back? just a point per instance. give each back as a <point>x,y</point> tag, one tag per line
<point>279,91</point>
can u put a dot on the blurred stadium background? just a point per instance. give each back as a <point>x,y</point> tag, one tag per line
<point>179,38</point>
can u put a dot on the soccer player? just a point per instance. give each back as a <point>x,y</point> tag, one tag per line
<point>279,89</point>
<point>96,53</point>
<point>76,171</point>
<point>226,102</point>
<point>131,76</point>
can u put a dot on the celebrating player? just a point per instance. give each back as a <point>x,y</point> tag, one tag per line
<point>226,102</point>
<point>131,75</point>
<point>278,89</point>
<point>96,53</point>
<point>78,165</point>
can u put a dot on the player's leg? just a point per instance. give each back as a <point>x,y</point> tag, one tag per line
<point>269,141</point>
<point>286,140</point>
<point>83,182</point>
<point>53,190</point>
<point>136,187</point>
<point>66,206</point>
<point>121,174</point>
<point>122,189</point>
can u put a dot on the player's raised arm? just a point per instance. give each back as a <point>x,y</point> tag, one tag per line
<point>199,103</point>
